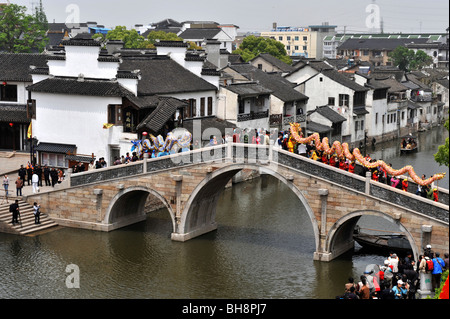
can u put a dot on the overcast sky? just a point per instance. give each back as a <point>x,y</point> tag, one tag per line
<point>257,15</point>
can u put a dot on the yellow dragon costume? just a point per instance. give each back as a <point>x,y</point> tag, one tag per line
<point>343,150</point>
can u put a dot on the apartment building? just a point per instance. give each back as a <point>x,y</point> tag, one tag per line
<point>302,41</point>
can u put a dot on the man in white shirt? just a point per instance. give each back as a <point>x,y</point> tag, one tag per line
<point>34,183</point>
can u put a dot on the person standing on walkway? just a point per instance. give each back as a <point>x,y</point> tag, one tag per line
<point>47,176</point>
<point>22,173</point>
<point>438,266</point>
<point>37,213</point>
<point>19,185</point>
<point>29,173</point>
<point>54,176</point>
<point>34,182</point>
<point>6,184</point>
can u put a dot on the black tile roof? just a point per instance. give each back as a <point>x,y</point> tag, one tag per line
<point>161,75</point>
<point>74,86</point>
<point>317,128</point>
<point>248,89</point>
<point>199,33</point>
<point>178,44</point>
<point>284,67</point>
<point>377,44</point>
<point>16,66</point>
<point>164,111</point>
<point>360,110</point>
<point>345,81</point>
<point>15,113</point>
<point>330,114</point>
<point>282,88</point>
<point>56,148</point>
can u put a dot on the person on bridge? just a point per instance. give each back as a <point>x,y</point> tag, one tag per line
<point>375,175</point>
<point>435,194</point>
<point>351,167</point>
<point>405,185</point>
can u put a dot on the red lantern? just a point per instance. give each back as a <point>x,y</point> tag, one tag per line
<point>11,124</point>
<point>4,83</point>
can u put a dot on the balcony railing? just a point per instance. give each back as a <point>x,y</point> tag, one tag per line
<point>252,116</point>
<point>294,119</point>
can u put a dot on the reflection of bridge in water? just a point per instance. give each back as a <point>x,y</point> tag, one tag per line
<point>189,185</point>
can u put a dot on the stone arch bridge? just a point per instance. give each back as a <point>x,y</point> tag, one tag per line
<point>189,185</point>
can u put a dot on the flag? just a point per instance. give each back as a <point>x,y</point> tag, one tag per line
<point>29,133</point>
<point>107,125</point>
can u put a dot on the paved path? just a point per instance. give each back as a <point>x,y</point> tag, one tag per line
<point>10,165</point>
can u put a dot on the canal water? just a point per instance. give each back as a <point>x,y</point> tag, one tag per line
<point>263,248</point>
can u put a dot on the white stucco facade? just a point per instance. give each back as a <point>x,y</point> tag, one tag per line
<point>75,119</point>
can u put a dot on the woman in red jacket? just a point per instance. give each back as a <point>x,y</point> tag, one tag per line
<point>405,185</point>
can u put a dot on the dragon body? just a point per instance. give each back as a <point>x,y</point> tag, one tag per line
<point>343,151</point>
<point>157,144</point>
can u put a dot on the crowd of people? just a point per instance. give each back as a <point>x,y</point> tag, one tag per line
<point>397,278</point>
<point>34,176</point>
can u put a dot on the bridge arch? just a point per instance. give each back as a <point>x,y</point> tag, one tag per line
<point>128,206</point>
<point>340,234</point>
<point>198,216</point>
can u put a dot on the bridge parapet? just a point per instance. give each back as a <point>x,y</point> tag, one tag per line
<point>364,184</point>
<point>266,154</point>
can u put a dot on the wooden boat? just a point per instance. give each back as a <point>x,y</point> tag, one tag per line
<point>395,242</point>
<point>408,144</point>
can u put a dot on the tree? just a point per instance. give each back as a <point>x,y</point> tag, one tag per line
<point>20,32</point>
<point>252,46</point>
<point>41,17</point>
<point>131,38</point>
<point>168,36</point>
<point>407,60</point>
<point>442,154</point>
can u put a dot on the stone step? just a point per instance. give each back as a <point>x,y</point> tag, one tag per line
<point>26,224</point>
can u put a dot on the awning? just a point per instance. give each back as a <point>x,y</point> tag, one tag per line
<point>360,110</point>
<point>317,128</point>
<point>15,113</point>
<point>56,148</point>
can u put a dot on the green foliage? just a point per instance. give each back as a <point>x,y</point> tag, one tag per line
<point>163,36</point>
<point>130,38</point>
<point>252,46</point>
<point>443,279</point>
<point>407,60</point>
<point>442,155</point>
<point>41,18</point>
<point>21,32</point>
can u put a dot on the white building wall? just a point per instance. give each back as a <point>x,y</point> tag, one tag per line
<point>227,105</point>
<point>75,119</point>
<point>83,60</point>
<point>197,96</point>
<point>177,54</point>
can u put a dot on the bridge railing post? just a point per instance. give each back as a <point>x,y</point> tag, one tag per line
<point>368,178</point>
<point>144,163</point>
<point>229,151</point>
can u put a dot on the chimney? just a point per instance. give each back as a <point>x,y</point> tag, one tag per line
<point>114,45</point>
<point>274,25</point>
<point>212,50</point>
